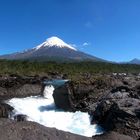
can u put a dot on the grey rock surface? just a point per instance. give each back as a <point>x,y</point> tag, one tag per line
<point>11,130</point>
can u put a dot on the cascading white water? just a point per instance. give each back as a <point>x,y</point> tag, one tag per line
<point>43,111</point>
<point>48,92</point>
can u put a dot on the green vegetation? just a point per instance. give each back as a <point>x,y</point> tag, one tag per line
<point>42,68</point>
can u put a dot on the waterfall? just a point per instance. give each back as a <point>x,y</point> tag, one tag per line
<point>43,111</point>
<point>48,92</point>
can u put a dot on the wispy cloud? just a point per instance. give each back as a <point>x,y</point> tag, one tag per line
<point>88,24</point>
<point>73,45</point>
<point>86,44</point>
<point>81,46</point>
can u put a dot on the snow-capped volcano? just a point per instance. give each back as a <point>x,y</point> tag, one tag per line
<point>53,49</point>
<point>54,41</point>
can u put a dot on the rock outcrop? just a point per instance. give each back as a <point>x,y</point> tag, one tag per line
<point>113,101</point>
<point>63,97</point>
<point>5,110</point>
<point>19,87</point>
<point>20,118</point>
<point>12,130</point>
<point>113,136</point>
<point>119,111</point>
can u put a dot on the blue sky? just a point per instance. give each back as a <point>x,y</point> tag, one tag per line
<point>108,29</point>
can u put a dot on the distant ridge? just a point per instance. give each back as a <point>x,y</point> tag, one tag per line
<point>135,61</point>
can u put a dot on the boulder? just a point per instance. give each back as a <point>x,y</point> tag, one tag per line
<point>20,117</point>
<point>63,97</point>
<point>121,89</point>
<point>5,110</point>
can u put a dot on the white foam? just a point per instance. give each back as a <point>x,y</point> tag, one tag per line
<point>43,111</point>
<point>48,91</point>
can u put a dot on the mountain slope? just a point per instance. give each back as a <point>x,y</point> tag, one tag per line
<point>53,48</point>
<point>135,61</point>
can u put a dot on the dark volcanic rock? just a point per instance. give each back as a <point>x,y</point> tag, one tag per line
<point>114,102</point>
<point>92,92</point>
<point>121,89</point>
<point>113,136</point>
<point>5,110</point>
<point>19,87</point>
<point>63,97</point>
<point>20,117</point>
<point>82,95</point>
<point>120,113</point>
<point>11,130</point>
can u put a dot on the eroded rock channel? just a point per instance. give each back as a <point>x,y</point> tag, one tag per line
<point>113,102</point>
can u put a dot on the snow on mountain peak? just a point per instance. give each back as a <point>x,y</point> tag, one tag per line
<point>55,41</point>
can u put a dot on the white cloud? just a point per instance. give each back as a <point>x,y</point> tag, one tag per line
<point>86,44</point>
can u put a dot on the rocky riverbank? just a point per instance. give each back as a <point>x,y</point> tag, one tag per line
<point>112,100</point>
